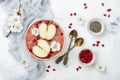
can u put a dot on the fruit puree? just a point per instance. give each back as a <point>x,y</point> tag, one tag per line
<point>31,40</point>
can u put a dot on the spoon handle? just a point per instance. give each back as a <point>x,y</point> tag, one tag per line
<point>59,59</point>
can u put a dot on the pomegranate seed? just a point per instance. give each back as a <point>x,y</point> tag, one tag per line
<point>69,27</point>
<point>61,34</point>
<point>85,7</point>
<point>48,66</point>
<point>103,45</point>
<point>85,4</point>
<point>109,16</point>
<point>104,14</point>
<point>47,71</point>
<point>77,69</point>
<point>98,41</point>
<point>93,44</point>
<point>75,14</point>
<point>70,24</point>
<point>102,4</point>
<point>109,10</point>
<point>71,14</point>
<point>97,45</point>
<point>54,69</point>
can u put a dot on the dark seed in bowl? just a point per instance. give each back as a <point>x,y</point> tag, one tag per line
<point>95,26</point>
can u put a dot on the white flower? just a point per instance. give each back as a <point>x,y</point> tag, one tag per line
<point>55,46</point>
<point>14,24</point>
<point>35,31</point>
<point>100,67</point>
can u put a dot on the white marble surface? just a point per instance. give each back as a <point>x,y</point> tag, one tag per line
<point>108,56</point>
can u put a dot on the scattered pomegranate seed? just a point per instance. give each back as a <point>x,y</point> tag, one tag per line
<point>102,4</point>
<point>70,24</point>
<point>109,10</point>
<point>75,14</point>
<point>97,45</point>
<point>105,14</point>
<point>79,67</point>
<point>71,14</point>
<point>85,7</point>
<point>93,44</point>
<point>54,69</point>
<point>47,71</point>
<point>85,4</point>
<point>69,27</point>
<point>108,15</point>
<point>48,66</point>
<point>98,41</point>
<point>103,45</point>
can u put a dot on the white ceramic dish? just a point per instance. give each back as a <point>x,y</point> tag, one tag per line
<point>102,27</point>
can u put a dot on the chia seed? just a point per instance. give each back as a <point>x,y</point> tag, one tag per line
<point>95,26</point>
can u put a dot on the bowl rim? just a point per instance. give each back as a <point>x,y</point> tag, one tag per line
<point>90,63</point>
<point>102,26</point>
<point>46,59</point>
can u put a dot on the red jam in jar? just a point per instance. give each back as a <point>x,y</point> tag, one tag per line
<point>86,56</point>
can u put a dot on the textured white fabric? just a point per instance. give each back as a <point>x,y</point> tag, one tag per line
<point>32,10</point>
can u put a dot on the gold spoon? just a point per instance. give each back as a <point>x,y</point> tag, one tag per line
<point>72,35</point>
<point>78,42</point>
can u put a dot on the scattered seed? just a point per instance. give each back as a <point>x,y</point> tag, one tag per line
<point>79,67</point>
<point>105,14</point>
<point>71,14</point>
<point>98,41</point>
<point>69,27</point>
<point>103,45</point>
<point>93,44</point>
<point>54,69</point>
<point>85,4</point>
<point>109,10</point>
<point>85,7</point>
<point>70,24</point>
<point>75,14</point>
<point>108,15</point>
<point>102,4</point>
<point>47,71</point>
<point>48,66</point>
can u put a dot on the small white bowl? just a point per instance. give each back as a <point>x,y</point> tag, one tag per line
<point>91,62</point>
<point>102,27</point>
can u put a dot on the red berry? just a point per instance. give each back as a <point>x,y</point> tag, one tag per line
<point>54,69</point>
<point>108,15</point>
<point>77,69</point>
<point>70,24</point>
<point>98,41</point>
<point>85,7</point>
<point>93,44</point>
<point>48,66</point>
<point>75,14</point>
<point>109,10</point>
<point>47,71</point>
<point>85,4</point>
<point>69,27</point>
<point>103,45</point>
<point>104,14</point>
<point>71,14</point>
<point>102,4</point>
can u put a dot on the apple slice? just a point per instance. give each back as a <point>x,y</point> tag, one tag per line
<point>47,31</point>
<point>42,49</point>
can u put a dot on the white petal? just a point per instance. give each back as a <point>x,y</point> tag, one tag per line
<point>58,46</point>
<point>53,49</point>
<point>35,31</point>
<point>53,43</point>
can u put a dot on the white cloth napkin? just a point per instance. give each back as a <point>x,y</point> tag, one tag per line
<point>32,10</point>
